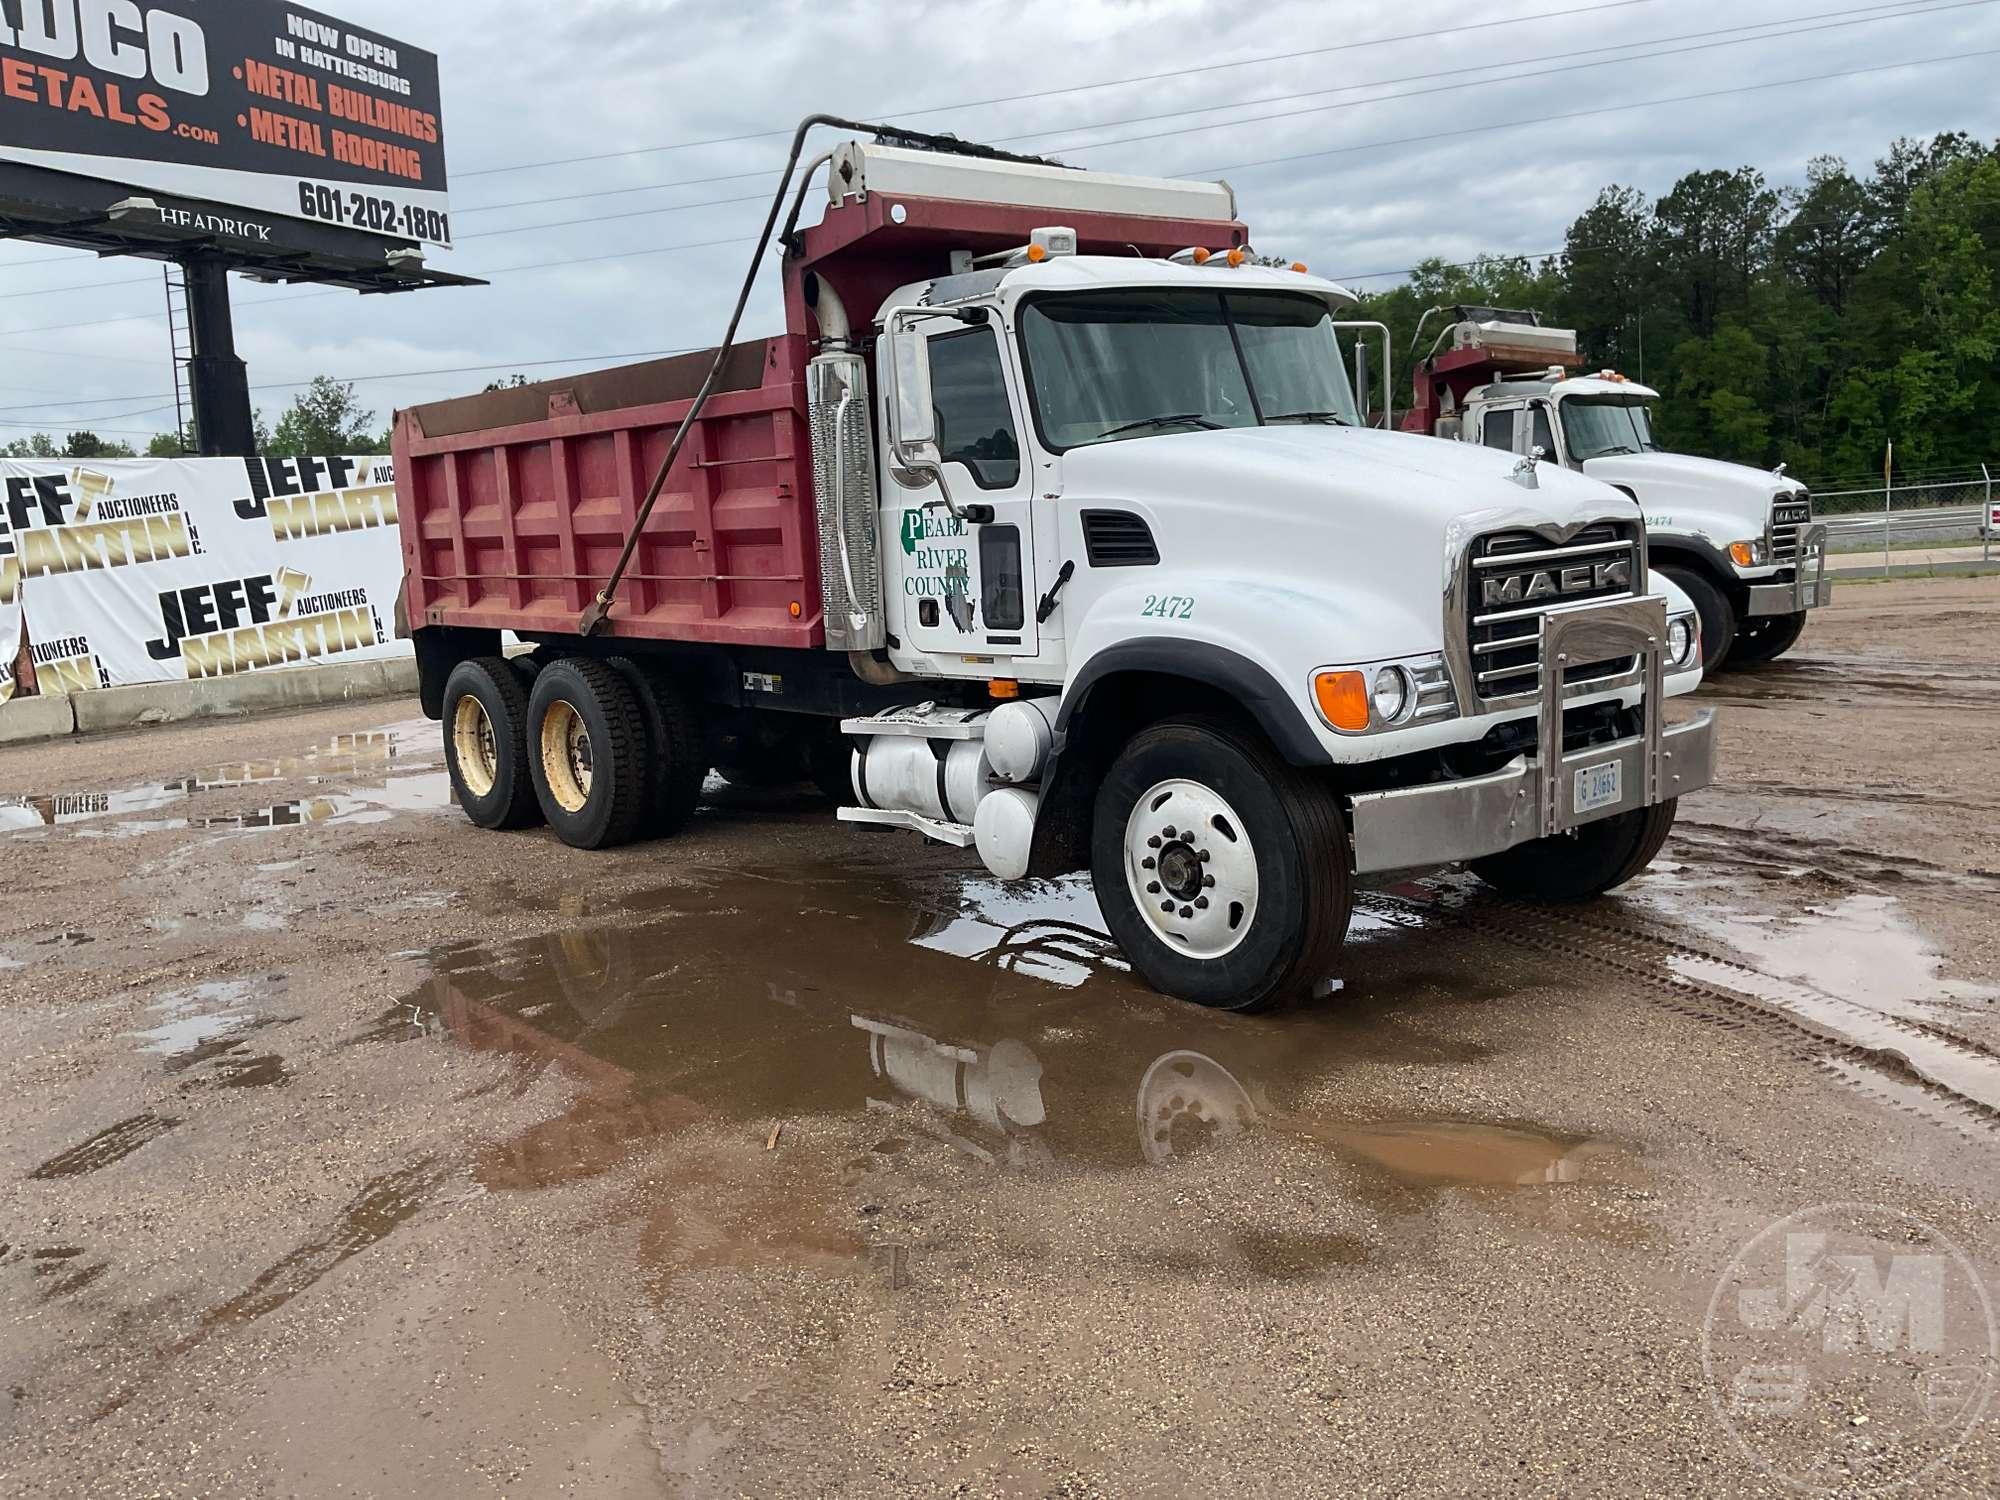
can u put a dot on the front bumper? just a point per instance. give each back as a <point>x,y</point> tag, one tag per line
<point>1536,797</point>
<point>1810,588</point>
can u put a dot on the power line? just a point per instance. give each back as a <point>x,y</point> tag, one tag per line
<point>1608,109</point>
<point>1483,129</point>
<point>1077,88</point>
<point>1637,57</point>
<point>1774,30</point>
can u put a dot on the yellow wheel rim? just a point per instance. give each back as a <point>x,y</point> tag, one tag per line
<point>474,747</point>
<point>566,756</point>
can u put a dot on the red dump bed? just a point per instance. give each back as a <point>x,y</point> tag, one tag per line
<point>515,504</point>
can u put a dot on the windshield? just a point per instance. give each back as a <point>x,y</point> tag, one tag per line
<point>1105,366</point>
<point>1598,429</point>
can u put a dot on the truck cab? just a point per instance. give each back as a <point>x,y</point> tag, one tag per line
<point>1056,500</point>
<point>1742,542</point>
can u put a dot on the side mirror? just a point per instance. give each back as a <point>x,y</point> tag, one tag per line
<point>916,420</point>
<point>1362,393</point>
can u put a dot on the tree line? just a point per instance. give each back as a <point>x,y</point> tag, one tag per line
<point>1810,325</point>
<point>326,418</point>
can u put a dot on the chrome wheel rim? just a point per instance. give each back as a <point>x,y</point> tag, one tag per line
<point>474,747</point>
<point>567,763</point>
<point>1191,869</point>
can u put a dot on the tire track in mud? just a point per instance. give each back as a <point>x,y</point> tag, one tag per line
<point>1950,1079</point>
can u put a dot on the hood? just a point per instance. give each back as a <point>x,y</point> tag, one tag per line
<point>1384,476</point>
<point>1674,487</point>
<point>1369,520</point>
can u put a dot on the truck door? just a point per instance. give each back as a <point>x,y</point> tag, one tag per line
<point>968,589</point>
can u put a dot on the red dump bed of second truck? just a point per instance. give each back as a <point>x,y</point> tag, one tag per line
<point>515,504</point>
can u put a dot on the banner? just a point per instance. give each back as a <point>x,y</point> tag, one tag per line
<point>10,613</point>
<point>165,570</point>
<point>243,103</point>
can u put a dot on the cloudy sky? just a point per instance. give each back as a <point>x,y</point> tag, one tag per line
<point>1360,136</point>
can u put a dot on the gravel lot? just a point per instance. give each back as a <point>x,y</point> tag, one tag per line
<point>353,1151</point>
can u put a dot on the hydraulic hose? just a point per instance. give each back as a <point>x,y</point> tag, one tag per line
<point>600,610</point>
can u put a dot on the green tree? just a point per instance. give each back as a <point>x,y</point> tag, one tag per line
<point>1609,279</point>
<point>1716,405</point>
<point>40,445</point>
<point>327,418</point>
<point>1712,237</point>
<point>90,445</point>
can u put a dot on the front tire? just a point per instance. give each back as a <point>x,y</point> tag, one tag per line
<point>1584,863</point>
<point>486,744</point>
<point>1766,639</point>
<point>1222,871</point>
<point>587,750</point>
<point>1718,616</point>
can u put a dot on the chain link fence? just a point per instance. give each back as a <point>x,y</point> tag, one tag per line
<point>1953,515</point>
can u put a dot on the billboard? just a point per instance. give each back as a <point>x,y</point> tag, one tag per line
<point>256,105</point>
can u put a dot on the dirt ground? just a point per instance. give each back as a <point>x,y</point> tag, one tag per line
<point>353,1151</point>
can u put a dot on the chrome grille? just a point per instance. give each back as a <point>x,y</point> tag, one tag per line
<point>1434,699</point>
<point>1790,516</point>
<point>1518,576</point>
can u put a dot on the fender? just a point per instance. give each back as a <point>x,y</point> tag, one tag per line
<point>1277,712</point>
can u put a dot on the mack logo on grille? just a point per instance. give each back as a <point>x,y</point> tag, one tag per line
<point>1556,583</point>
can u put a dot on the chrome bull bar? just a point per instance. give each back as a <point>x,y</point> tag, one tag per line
<point>1802,593</point>
<point>1544,795</point>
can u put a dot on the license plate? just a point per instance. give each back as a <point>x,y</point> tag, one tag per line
<point>1599,786</point>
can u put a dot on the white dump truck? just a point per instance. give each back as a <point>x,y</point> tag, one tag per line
<point>1741,541</point>
<point>1051,527</point>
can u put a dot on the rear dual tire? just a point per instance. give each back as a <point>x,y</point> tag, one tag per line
<point>485,744</point>
<point>605,752</point>
<point>587,753</point>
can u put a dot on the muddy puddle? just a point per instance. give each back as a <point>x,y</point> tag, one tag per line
<point>998,1021</point>
<point>371,776</point>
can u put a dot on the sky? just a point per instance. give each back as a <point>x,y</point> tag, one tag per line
<point>1361,137</point>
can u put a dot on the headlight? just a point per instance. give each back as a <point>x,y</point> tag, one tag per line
<point>1747,554</point>
<point>1380,697</point>
<point>1683,642</point>
<point>1391,694</point>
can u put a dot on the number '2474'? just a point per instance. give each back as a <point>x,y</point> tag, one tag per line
<point>1168,607</point>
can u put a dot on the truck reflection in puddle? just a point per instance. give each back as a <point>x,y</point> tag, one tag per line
<point>778,999</point>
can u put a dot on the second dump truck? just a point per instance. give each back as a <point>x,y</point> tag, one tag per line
<point>1050,527</point>
<point>1741,541</point>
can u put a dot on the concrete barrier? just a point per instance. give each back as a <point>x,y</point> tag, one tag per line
<point>52,715</point>
<point>248,693</point>
<point>26,719</point>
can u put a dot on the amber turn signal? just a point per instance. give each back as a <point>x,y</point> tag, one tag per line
<point>1742,554</point>
<point>1342,699</point>
<point>1003,687</point>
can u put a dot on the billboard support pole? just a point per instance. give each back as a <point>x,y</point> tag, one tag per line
<point>218,382</point>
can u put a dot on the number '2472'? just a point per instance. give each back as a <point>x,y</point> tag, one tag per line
<point>1168,607</point>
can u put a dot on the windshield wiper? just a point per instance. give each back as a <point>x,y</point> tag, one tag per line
<point>1332,417</point>
<point>1190,419</point>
